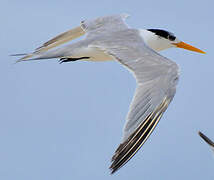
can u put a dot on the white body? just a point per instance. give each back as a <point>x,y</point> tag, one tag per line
<point>95,54</point>
<point>154,42</point>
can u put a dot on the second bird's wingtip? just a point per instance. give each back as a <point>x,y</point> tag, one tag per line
<point>206,139</point>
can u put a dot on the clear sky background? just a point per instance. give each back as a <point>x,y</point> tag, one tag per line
<point>64,121</point>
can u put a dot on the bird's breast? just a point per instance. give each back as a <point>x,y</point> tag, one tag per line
<point>95,54</point>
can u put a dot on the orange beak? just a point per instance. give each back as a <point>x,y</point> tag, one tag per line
<point>188,47</point>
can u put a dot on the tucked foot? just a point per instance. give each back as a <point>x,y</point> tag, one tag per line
<point>62,60</point>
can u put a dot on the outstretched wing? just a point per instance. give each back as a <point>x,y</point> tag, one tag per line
<point>56,41</point>
<point>100,25</point>
<point>61,39</point>
<point>156,78</point>
<point>105,25</point>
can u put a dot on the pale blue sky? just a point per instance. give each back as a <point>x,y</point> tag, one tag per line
<point>63,122</point>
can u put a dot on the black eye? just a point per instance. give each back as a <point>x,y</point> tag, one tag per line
<point>171,37</point>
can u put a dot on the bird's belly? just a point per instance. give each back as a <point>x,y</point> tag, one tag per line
<point>94,53</point>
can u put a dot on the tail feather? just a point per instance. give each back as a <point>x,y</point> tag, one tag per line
<point>23,54</point>
<point>45,55</point>
<point>26,56</point>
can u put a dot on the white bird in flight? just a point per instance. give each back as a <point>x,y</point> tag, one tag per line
<point>110,38</point>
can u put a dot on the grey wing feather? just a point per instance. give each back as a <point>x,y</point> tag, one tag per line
<point>61,39</point>
<point>105,24</point>
<point>56,41</point>
<point>156,78</point>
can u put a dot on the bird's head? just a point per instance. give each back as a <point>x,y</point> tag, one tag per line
<point>159,39</point>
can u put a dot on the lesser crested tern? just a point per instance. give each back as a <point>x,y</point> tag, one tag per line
<point>110,38</point>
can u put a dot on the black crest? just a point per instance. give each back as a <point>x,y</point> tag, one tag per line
<point>165,34</point>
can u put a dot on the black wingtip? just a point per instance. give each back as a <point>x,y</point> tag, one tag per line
<point>129,148</point>
<point>200,133</point>
<point>113,170</point>
<point>206,139</point>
